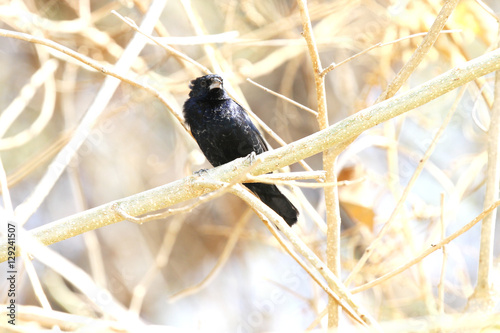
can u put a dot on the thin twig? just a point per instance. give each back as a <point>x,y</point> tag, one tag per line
<point>488,9</point>
<point>291,101</point>
<point>158,41</point>
<point>317,320</point>
<point>225,37</point>
<point>421,51</point>
<point>43,75</point>
<point>35,281</point>
<point>161,260</point>
<point>267,180</point>
<point>425,253</point>
<point>284,176</point>
<point>38,159</point>
<point>223,258</point>
<point>334,65</point>
<point>310,210</point>
<point>440,302</point>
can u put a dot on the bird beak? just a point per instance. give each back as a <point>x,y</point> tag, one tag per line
<point>215,84</point>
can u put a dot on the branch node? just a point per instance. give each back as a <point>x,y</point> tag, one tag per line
<point>115,207</point>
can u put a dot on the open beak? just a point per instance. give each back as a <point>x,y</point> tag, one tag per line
<point>216,83</point>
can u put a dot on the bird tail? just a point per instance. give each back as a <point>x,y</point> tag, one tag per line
<point>271,196</point>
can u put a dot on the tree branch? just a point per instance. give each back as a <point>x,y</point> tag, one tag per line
<point>329,158</point>
<point>484,297</point>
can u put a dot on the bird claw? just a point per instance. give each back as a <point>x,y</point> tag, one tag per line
<point>252,157</point>
<point>200,172</point>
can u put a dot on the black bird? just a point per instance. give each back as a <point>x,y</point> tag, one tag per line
<point>224,132</point>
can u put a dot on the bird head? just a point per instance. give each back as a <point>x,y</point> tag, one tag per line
<point>208,86</point>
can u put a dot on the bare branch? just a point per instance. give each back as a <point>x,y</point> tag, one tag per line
<point>425,253</point>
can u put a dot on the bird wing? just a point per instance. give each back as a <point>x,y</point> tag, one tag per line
<point>261,141</point>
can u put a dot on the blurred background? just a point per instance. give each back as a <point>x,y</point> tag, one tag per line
<point>137,144</point>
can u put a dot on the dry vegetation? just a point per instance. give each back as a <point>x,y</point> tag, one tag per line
<point>74,138</point>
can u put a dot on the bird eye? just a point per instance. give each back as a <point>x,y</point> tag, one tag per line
<point>203,83</point>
